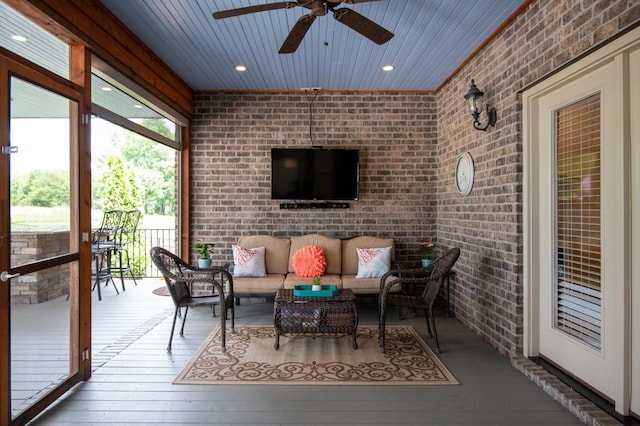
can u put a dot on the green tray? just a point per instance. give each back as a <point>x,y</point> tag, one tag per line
<point>304,290</point>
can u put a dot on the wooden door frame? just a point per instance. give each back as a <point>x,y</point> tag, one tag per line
<point>634,155</point>
<point>5,298</point>
<point>80,296</point>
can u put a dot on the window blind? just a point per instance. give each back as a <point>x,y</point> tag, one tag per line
<point>578,230</point>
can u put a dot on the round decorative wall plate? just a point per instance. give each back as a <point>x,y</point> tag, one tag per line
<point>464,173</point>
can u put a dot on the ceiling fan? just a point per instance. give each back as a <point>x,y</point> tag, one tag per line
<point>348,17</point>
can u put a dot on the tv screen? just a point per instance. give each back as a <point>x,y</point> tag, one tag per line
<point>314,174</point>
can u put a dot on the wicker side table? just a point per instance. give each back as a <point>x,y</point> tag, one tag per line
<point>315,315</point>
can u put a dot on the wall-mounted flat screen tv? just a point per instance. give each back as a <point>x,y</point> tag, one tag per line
<point>314,174</point>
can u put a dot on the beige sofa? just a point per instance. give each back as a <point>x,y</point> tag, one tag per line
<point>341,256</point>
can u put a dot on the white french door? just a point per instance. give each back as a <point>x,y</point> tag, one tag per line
<point>580,237</point>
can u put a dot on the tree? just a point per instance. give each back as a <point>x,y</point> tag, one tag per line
<point>155,168</point>
<point>146,162</point>
<point>120,188</point>
<point>134,189</point>
<point>41,188</point>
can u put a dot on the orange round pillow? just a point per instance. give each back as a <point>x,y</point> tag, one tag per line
<point>309,261</point>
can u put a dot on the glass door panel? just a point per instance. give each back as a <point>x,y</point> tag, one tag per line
<point>40,135</point>
<point>41,338</point>
<point>578,288</point>
<point>43,229</point>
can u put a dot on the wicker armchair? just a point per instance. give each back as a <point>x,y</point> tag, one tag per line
<point>180,277</point>
<point>419,290</point>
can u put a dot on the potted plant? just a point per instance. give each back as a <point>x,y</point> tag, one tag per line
<point>428,250</point>
<point>316,286</point>
<point>204,250</point>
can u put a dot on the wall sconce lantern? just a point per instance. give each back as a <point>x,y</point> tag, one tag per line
<point>475,99</point>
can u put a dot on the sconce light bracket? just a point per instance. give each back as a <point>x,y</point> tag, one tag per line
<point>492,117</point>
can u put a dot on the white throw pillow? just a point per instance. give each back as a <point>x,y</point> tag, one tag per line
<point>248,262</point>
<point>373,262</point>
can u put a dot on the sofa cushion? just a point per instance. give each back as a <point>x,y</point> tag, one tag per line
<point>309,261</point>
<point>350,255</point>
<point>373,262</point>
<point>363,285</point>
<point>331,247</point>
<point>276,255</point>
<point>248,262</point>
<point>267,285</point>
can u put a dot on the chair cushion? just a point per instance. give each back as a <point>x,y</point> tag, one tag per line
<point>248,262</point>
<point>276,256</point>
<point>309,261</point>
<point>373,262</point>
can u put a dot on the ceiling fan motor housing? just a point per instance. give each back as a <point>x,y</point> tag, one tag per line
<point>318,7</point>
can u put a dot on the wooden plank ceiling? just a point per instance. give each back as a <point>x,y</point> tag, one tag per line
<point>432,38</point>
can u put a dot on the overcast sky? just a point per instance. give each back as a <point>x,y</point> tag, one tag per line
<point>43,144</point>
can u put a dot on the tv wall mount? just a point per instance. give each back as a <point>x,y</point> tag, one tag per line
<point>314,205</point>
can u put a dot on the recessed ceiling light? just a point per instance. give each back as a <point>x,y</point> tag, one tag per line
<point>241,68</point>
<point>138,106</point>
<point>107,89</point>
<point>387,68</point>
<point>17,37</point>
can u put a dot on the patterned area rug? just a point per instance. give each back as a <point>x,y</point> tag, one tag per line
<point>252,359</point>
<point>161,291</point>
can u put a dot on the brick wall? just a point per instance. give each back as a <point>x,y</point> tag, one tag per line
<point>409,145</point>
<point>487,224</point>
<point>232,135</point>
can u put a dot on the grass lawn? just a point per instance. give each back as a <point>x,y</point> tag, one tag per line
<point>27,218</point>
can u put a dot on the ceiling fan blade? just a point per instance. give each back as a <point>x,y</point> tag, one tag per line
<point>363,25</point>
<point>297,33</point>
<point>253,9</point>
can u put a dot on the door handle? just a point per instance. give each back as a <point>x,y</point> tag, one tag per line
<point>5,276</point>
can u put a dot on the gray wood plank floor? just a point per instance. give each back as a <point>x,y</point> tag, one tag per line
<point>131,383</point>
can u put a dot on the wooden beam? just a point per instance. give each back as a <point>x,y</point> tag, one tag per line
<point>5,323</point>
<point>184,182</point>
<point>80,294</point>
<point>91,23</point>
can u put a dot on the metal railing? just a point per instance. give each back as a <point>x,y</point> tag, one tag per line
<point>139,250</point>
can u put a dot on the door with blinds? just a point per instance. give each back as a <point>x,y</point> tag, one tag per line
<point>578,224</point>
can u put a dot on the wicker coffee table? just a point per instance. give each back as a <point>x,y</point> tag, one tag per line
<point>315,315</point>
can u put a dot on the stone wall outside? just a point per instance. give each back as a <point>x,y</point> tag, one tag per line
<point>43,285</point>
